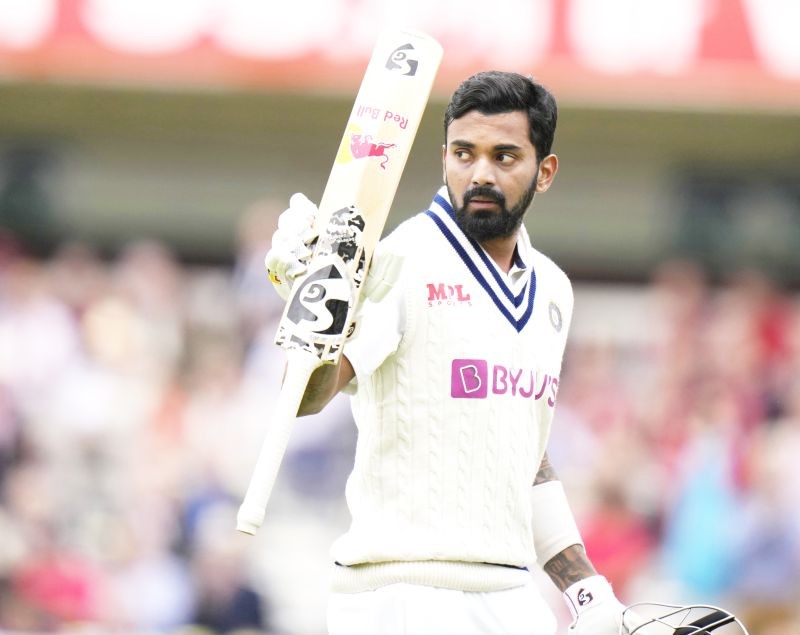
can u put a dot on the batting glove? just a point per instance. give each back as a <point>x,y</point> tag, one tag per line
<point>596,611</point>
<point>292,244</point>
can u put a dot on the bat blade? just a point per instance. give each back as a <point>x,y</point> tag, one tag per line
<point>352,213</point>
<point>358,195</point>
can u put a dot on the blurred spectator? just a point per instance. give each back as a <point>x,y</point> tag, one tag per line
<point>78,277</point>
<point>57,585</point>
<point>769,551</point>
<point>255,302</point>
<point>700,526</point>
<point>26,205</point>
<point>225,601</point>
<point>619,540</point>
<point>38,336</point>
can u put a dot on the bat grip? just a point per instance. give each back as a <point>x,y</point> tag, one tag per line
<point>300,365</point>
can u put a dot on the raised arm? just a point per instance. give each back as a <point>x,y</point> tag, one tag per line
<point>292,246</point>
<point>324,384</point>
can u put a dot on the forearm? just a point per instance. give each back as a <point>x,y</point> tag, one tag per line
<point>546,472</point>
<point>323,385</point>
<point>559,548</point>
<point>556,537</point>
<point>568,567</point>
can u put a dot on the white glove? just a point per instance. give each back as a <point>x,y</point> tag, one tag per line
<point>292,244</point>
<point>596,611</point>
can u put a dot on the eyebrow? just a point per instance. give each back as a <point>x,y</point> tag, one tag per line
<point>461,143</point>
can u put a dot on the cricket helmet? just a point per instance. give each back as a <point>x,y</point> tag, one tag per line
<point>651,618</point>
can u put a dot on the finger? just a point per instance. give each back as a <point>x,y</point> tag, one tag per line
<point>276,266</point>
<point>295,269</point>
<point>302,210</point>
<point>301,203</point>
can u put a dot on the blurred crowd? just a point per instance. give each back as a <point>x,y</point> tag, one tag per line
<point>678,426</point>
<point>135,391</point>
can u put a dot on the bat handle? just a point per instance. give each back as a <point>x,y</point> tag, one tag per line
<point>299,367</point>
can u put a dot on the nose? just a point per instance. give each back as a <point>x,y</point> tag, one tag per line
<point>483,172</point>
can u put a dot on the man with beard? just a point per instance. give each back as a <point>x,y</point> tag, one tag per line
<point>454,375</point>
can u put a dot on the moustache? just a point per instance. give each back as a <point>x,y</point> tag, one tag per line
<point>485,192</point>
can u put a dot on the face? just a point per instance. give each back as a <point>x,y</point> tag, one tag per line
<point>491,172</point>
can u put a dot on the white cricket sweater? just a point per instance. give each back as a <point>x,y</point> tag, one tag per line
<point>453,425</point>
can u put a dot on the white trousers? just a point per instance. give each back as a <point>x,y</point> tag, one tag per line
<point>408,609</point>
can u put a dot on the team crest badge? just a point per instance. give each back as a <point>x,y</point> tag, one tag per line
<point>555,317</point>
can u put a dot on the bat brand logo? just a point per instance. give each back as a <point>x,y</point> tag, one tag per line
<point>584,597</point>
<point>320,304</point>
<point>400,62</point>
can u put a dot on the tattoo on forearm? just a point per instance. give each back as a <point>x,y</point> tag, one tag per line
<point>319,385</point>
<point>569,566</point>
<point>546,472</point>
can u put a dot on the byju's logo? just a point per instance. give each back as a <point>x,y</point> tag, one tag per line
<point>476,378</point>
<point>469,379</point>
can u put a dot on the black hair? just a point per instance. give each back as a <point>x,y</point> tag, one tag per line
<point>495,92</point>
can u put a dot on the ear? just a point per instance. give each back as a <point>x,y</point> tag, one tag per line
<point>547,172</point>
<point>444,167</point>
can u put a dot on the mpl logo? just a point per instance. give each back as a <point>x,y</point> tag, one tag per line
<point>356,145</point>
<point>476,379</point>
<point>449,294</point>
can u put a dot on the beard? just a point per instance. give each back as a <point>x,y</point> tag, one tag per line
<point>486,225</point>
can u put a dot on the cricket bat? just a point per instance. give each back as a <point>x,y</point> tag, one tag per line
<point>352,213</point>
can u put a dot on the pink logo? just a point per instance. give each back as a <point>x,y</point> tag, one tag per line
<point>449,294</point>
<point>474,379</point>
<point>469,379</point>
<point>362,146</point>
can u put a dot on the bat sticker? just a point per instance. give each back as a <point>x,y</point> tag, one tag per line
<point>399,61</point>
<point>321,303</point>
<point>344,237</point>
<point>320,307</point>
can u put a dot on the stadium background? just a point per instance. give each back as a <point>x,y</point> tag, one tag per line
<point>146,149</point>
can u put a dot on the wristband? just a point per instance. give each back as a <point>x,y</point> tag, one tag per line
<point>587,593</point>
<point>554,527</point>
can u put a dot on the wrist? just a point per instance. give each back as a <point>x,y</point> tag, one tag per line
<point>587,593</point>
<point>554,526</point>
